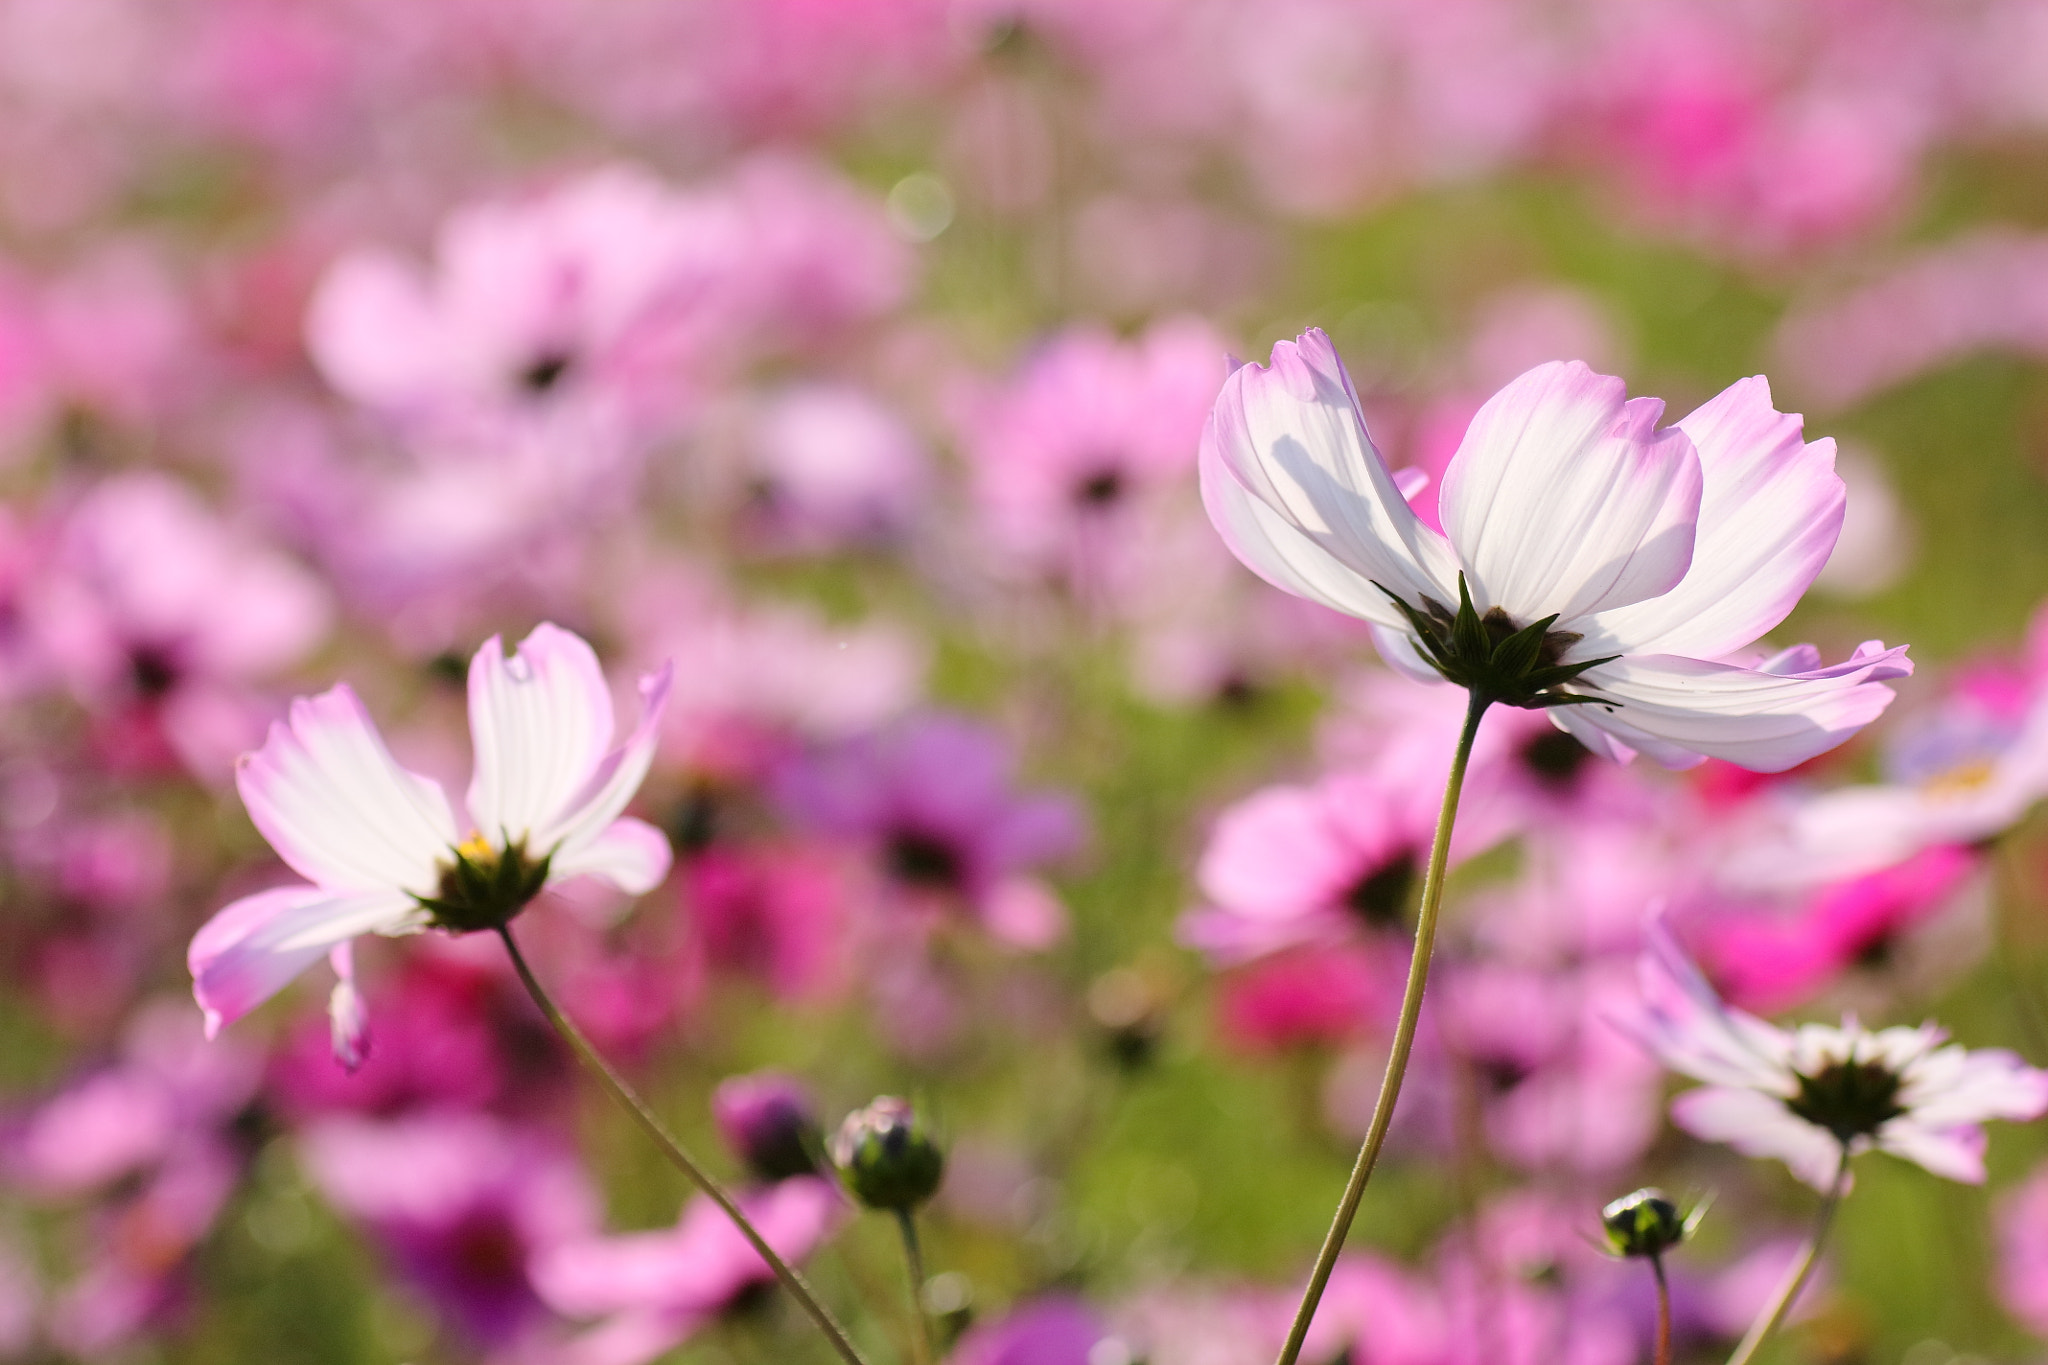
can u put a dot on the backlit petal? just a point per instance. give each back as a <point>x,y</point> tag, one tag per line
<point>540,721</point>
<point>336,806</point>
<point>1564,498</point>
<point>1770,511</point>
<point>249,951</point>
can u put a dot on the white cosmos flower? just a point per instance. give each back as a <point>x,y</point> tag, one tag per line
<point>1803,1095</point>
<point>380,848</point>
<point>1673,549</point>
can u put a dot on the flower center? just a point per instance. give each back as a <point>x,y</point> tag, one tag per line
<point>1554,759</point>
<point>1101,488</point>
<point>1965,779</point>
<point>484,887</point>
<point>1849,1099</point>
<point>545,371</point>
<point>1380,897</point>
<point>918,858</point>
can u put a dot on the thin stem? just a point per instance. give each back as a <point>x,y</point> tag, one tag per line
<point>920,1329</point>
<point>1404,1036</point>
<point>1663,1356</point>
<point>615,1085</point>
<point>1802,1269</point>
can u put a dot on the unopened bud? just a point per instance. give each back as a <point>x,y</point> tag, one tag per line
<point>769,1121</point>
<point>885,1157</point>
<point>1645,1223</point>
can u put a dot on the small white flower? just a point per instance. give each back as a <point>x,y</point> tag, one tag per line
<point>1804,1095</point>
<point>380,848</point>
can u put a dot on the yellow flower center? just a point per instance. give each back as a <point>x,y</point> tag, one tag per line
<point>1965,779</point>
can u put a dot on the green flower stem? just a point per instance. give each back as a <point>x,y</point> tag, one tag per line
<point>913,1256</point>
<point>615,1085</point>
<point>1802,1270</point>
<point>1404,1035</point>
<point>1663,1356</point>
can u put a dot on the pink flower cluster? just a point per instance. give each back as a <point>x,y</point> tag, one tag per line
<point>743,480</point>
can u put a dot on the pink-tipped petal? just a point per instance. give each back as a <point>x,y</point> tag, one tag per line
<point>348,1020</point>
<point>1563,498</point>
<point>248,951</point>
<point>336,806</point>
<point>1300,495</point>
<point>1678,710</point>
<point>540,722</point>
<point>589,813</point>
<point>630,854</point>
<point>1770,512</point>
<point>1951,1153</point>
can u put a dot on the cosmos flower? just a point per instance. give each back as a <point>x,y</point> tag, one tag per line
<point>1814,1095</point>
<point>1651,557</point>
<point>379,846</point>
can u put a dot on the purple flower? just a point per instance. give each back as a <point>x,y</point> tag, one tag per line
<point>462,1203</point>
<point>935,804</point>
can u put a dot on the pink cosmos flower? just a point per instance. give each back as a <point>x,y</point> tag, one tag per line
<point>654,1290</point>
<point>380,847</point>
<point>2023,1252</point>
<point>1814,1096</point>
<point>1292,865</point>
<point>1770,962</point>
<point>153,609</point>
<point>1661,553</point>
<point>1076,454</point>
<point>1964,771</point>
<point>934,802</point>
<point>831,466</point>
<point>154,1139</point>
<point>1052,1330</point>
<point>462,1204</point>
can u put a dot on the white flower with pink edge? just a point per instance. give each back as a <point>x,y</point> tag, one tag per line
<point>380,847</point>
<point>1814,1095</point>
<point>1657,555</point>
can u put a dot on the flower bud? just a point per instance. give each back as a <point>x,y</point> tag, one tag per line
<point>885,1157</point>
<point>1645,1223</point>
<point>769,1121</point>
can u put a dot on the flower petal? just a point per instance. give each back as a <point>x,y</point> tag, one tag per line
<point>248,952</point>
<point>630,854</point>
<point>589,813</point>
<point>1564,498</point>
<point>1680,710</point>
<point>336,806</point>
<point>1296,489</point>
<point>1756,1124</point>
<point>540,721</point>
<point>1770,511</point>
<point>1952,1153</point>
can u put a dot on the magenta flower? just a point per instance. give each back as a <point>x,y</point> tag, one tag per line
<point>1660,554</point>
<point>653,1290</point>
<point>461,1203</point>
<point>380,847</point>
<point>2023,1252</point>
<point>1815,1095</point>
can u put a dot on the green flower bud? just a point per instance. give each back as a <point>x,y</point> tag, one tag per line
<point>885,1158</point>
<point>1646,1223</point>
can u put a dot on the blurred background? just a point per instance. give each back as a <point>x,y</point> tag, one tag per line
<point>853,354</point>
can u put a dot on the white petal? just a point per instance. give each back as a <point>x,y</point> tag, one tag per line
<point>630,854</point>
<point>1758,1125</point>
<point>1952,1153</point>
<point>1770,511</point>
<point>1300,495</point>
<point>1677,710</point>
<point>1564,498</point>
<point>591,812</point>
<point>540,722</point>
<point>248,952</point>
<point>336,806</point>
